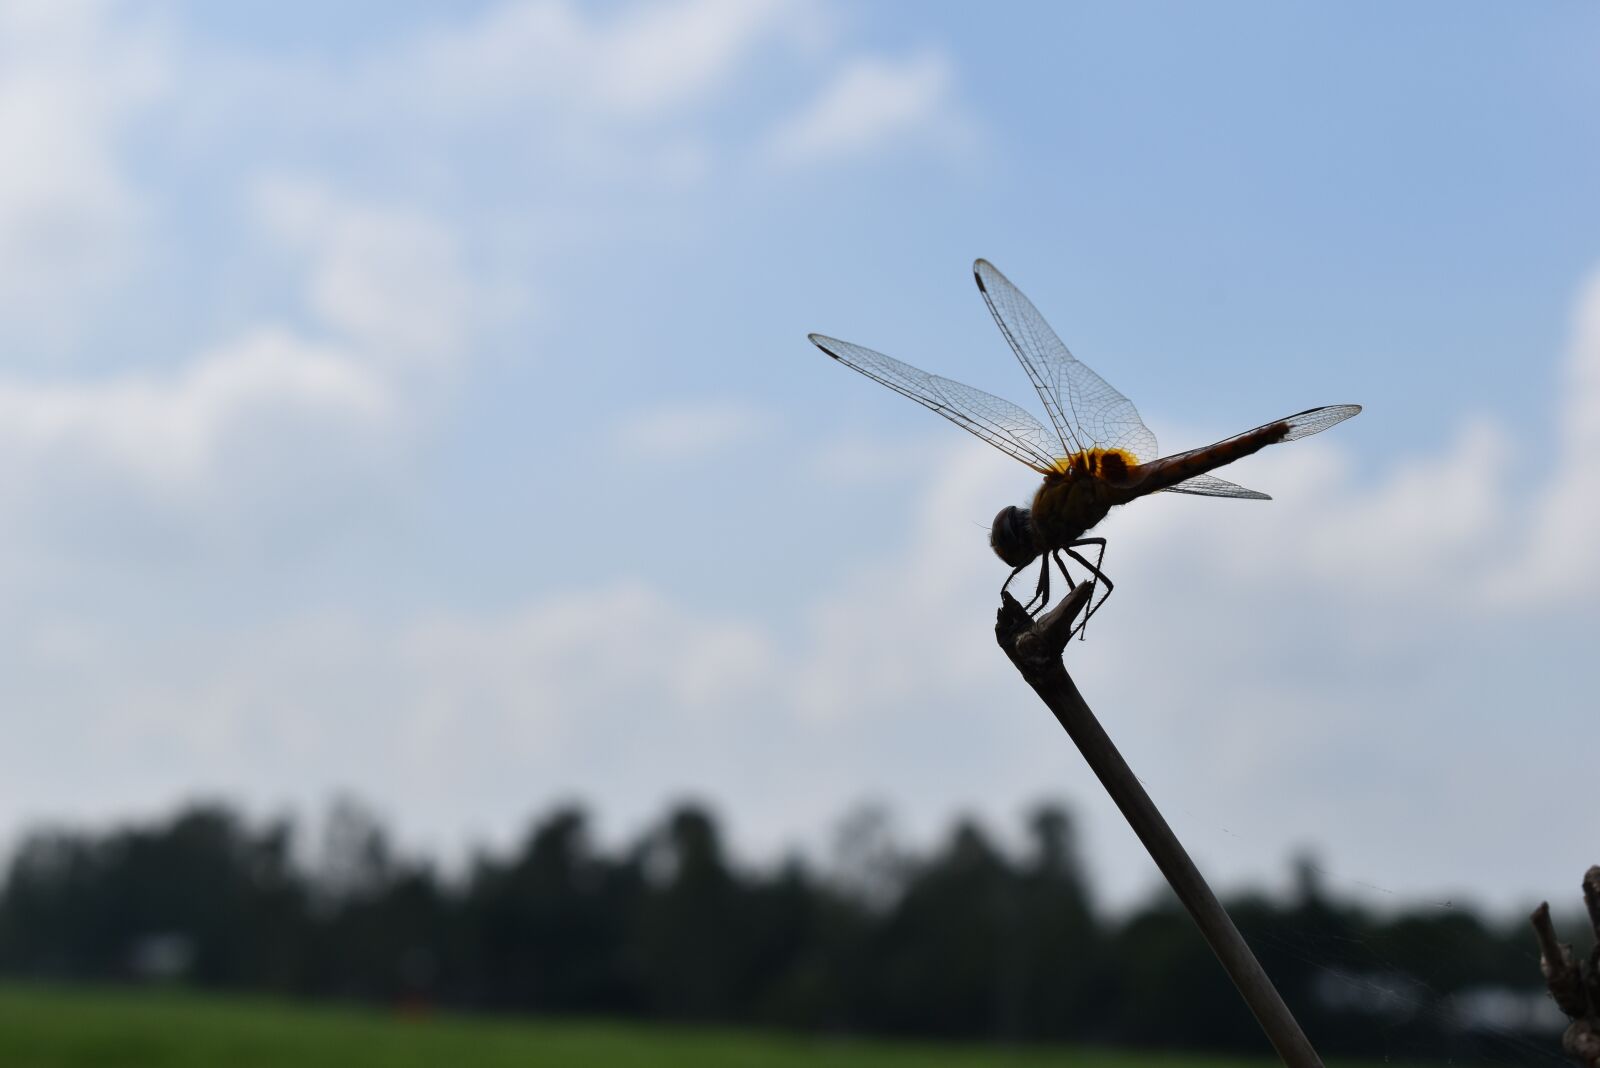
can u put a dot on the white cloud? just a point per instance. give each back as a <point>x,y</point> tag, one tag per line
<point>454,721</point>
<point>646,60</point>
<point>1313,668</point>
<point>558,661</point>
<point>172,429</point>
<point>873,104</point>
<point>1561,557</point>
<point>71,77</point>
<point>863,461</point>
<point>389,293</point>
<point>886,638</point>
<point>686,431</point>
<point>389,279</point>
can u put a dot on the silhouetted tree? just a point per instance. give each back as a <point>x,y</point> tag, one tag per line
<point>967,941</point>
<point>688,924</point>
<point>1063,968</point>
<point>947,950</point>
<point>548,928</point>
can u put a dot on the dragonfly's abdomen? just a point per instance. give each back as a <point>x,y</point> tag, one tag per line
<point>1171,470</point>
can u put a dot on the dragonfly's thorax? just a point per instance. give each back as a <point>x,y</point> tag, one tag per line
<point>1075,496</point>
<point>1072,501</point>
<point>1112,465</point>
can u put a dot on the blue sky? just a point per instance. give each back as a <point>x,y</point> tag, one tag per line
<point>414,400</point>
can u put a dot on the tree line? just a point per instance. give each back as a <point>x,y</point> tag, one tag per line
<point>964,940</point>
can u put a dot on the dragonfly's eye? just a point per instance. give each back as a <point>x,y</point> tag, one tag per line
<point>1011,537</point>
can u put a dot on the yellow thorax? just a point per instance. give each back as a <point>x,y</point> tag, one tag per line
<point>1101,463</point>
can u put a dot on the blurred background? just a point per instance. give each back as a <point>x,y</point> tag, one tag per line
<point>435,570</point>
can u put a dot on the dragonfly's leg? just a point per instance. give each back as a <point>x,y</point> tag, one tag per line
<point>1096,574</point>
<point>1007,583</point>
<point>1041,592</point>
<point>1062,564</point>
<point>1011,577</point>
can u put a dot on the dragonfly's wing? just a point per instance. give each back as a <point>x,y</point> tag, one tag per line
<point>1002,424</point>
<point>1086,410</point>
<point>1212,486</point>
<point>1316,420</point>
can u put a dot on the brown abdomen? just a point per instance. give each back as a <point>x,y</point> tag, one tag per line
<point>1171,470</point>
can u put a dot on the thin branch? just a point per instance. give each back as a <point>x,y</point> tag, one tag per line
<point>1035,647</point>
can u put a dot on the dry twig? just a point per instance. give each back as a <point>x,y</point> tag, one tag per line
<point>1574,984</point>
<point>1036,647</point>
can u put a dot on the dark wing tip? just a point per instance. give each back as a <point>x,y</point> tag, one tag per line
<point>978,267</point>
<point>1314,421</point>
<point>822,341</point>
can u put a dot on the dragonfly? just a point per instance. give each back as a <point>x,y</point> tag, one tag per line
<point>1095,455</point>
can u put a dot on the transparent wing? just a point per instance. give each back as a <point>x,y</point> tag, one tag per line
<point>1002,424</point>
<point>1316,420</point>
<point>1212,486</point>
<point>1086,410</point>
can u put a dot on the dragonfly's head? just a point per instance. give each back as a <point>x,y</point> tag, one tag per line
<point>1011,537</point>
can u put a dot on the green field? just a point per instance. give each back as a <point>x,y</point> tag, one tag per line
<point>57,1028</point>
